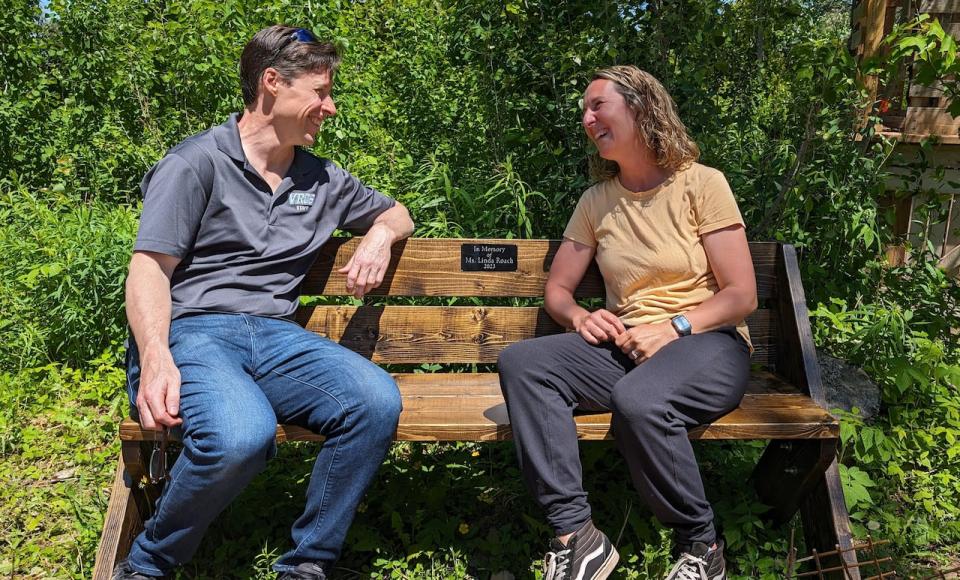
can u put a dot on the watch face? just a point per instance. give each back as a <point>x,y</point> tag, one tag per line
<point>681,324</point>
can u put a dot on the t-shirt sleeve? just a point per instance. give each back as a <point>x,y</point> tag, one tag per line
<point>173,205</point>
<point>716,207</point>
<point>360,204</point>
<point>580,227</point>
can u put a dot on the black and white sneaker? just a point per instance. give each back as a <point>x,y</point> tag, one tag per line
<point>305,571</point>
<point>700,562</point>
<point>588,555</point>
<point>123,571</point>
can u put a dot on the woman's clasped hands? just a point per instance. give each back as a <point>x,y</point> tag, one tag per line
<point>638,342</point>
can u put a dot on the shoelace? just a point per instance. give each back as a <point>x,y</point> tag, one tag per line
<point>689,568</point>
<point>555,565</point>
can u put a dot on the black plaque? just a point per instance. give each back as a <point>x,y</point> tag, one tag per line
<point>488,257</point>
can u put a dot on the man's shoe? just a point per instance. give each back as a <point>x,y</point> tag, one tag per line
<point>123,571</point>
<point>700,562</point>
<point>588,555</point>
<point>305,571</point>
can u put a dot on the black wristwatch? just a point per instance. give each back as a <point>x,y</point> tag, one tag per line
<point>681,325</point>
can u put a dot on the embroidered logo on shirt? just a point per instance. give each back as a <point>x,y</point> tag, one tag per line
<point>301,200</point>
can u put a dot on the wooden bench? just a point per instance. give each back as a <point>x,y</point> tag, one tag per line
<point>784,402</point>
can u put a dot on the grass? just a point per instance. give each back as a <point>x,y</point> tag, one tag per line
<point>59,450</point>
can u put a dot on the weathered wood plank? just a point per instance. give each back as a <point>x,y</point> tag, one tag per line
<point>923,121</point>
<point>120,526</point>
<point>466,406</point>
<point>462,334</point>
<point>826,522</point>
<point>913,138</point>
<point>939,6</point>
<point>796,354</point>
<point>764,256</point>
<point>432,267</point>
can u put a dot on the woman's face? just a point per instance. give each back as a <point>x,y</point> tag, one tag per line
<point>609,121</point>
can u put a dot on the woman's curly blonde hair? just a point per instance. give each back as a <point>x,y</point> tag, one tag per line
<point>657,120</point>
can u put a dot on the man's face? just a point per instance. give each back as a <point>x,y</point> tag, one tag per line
<point>303,104</point>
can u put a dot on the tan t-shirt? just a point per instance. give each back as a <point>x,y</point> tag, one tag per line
<point>648,243</point>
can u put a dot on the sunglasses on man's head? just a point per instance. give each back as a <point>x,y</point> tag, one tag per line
<point>300,35</point>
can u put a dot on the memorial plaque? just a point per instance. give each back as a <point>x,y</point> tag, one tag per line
<point>488,257</point>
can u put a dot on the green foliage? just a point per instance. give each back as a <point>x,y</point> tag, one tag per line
<point>459,510</point>
<point>479,207</point>
<point>63,263</point>
<point>468,113</point>
<point>933,52</point>
<point>900,480</point>
<point>58,452</point>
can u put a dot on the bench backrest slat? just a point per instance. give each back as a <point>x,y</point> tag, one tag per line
<point>797,358</point>
<point>463,334</point>
<point>423,267</point>
<point>432,267</point>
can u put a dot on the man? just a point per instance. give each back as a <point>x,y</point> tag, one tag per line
<point>232,220</point>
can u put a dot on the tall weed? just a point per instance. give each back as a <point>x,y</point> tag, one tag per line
<point>500,204</point>
<point>62,267</point>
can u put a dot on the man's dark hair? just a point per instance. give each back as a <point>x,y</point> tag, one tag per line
<point>291,51</point>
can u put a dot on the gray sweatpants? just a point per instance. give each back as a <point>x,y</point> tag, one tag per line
<point>690,381</point>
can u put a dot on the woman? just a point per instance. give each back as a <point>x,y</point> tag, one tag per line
<point>670,351</point>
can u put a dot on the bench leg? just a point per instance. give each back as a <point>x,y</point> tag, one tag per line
<point>121,525</point>
<point>803,475</point>
<point>826,523</point>
<point>788,471</point>
<point>136,457</point>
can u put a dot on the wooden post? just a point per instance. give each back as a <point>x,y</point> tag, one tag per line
<point>120,526</point>
<point>826,523</point>
<point>872,15</point>
<point>896,253</point>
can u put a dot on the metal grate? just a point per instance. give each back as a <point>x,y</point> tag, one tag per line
<point>823,565</point>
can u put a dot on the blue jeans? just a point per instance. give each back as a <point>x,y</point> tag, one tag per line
<point>240,375</point>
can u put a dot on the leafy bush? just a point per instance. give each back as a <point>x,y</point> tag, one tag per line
<point>62,267</point>
<point>902,480</point>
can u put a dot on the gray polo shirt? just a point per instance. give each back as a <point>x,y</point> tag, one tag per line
<point>244,248</point>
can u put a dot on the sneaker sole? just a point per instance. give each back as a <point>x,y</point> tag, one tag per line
<point>607,568</point>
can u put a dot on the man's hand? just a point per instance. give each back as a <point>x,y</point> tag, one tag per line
<point>598,326</point>
<point>642,342</point>
<point>369,263</point>
<point>158,399</point>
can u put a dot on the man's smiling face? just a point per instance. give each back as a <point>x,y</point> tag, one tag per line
<point>305,102</point>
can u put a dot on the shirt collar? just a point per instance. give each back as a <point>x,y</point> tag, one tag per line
<point>227,136</point>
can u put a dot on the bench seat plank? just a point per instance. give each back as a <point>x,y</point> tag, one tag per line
<point>469,406</point>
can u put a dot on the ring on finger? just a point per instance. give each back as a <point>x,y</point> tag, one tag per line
<point>634,355</point>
